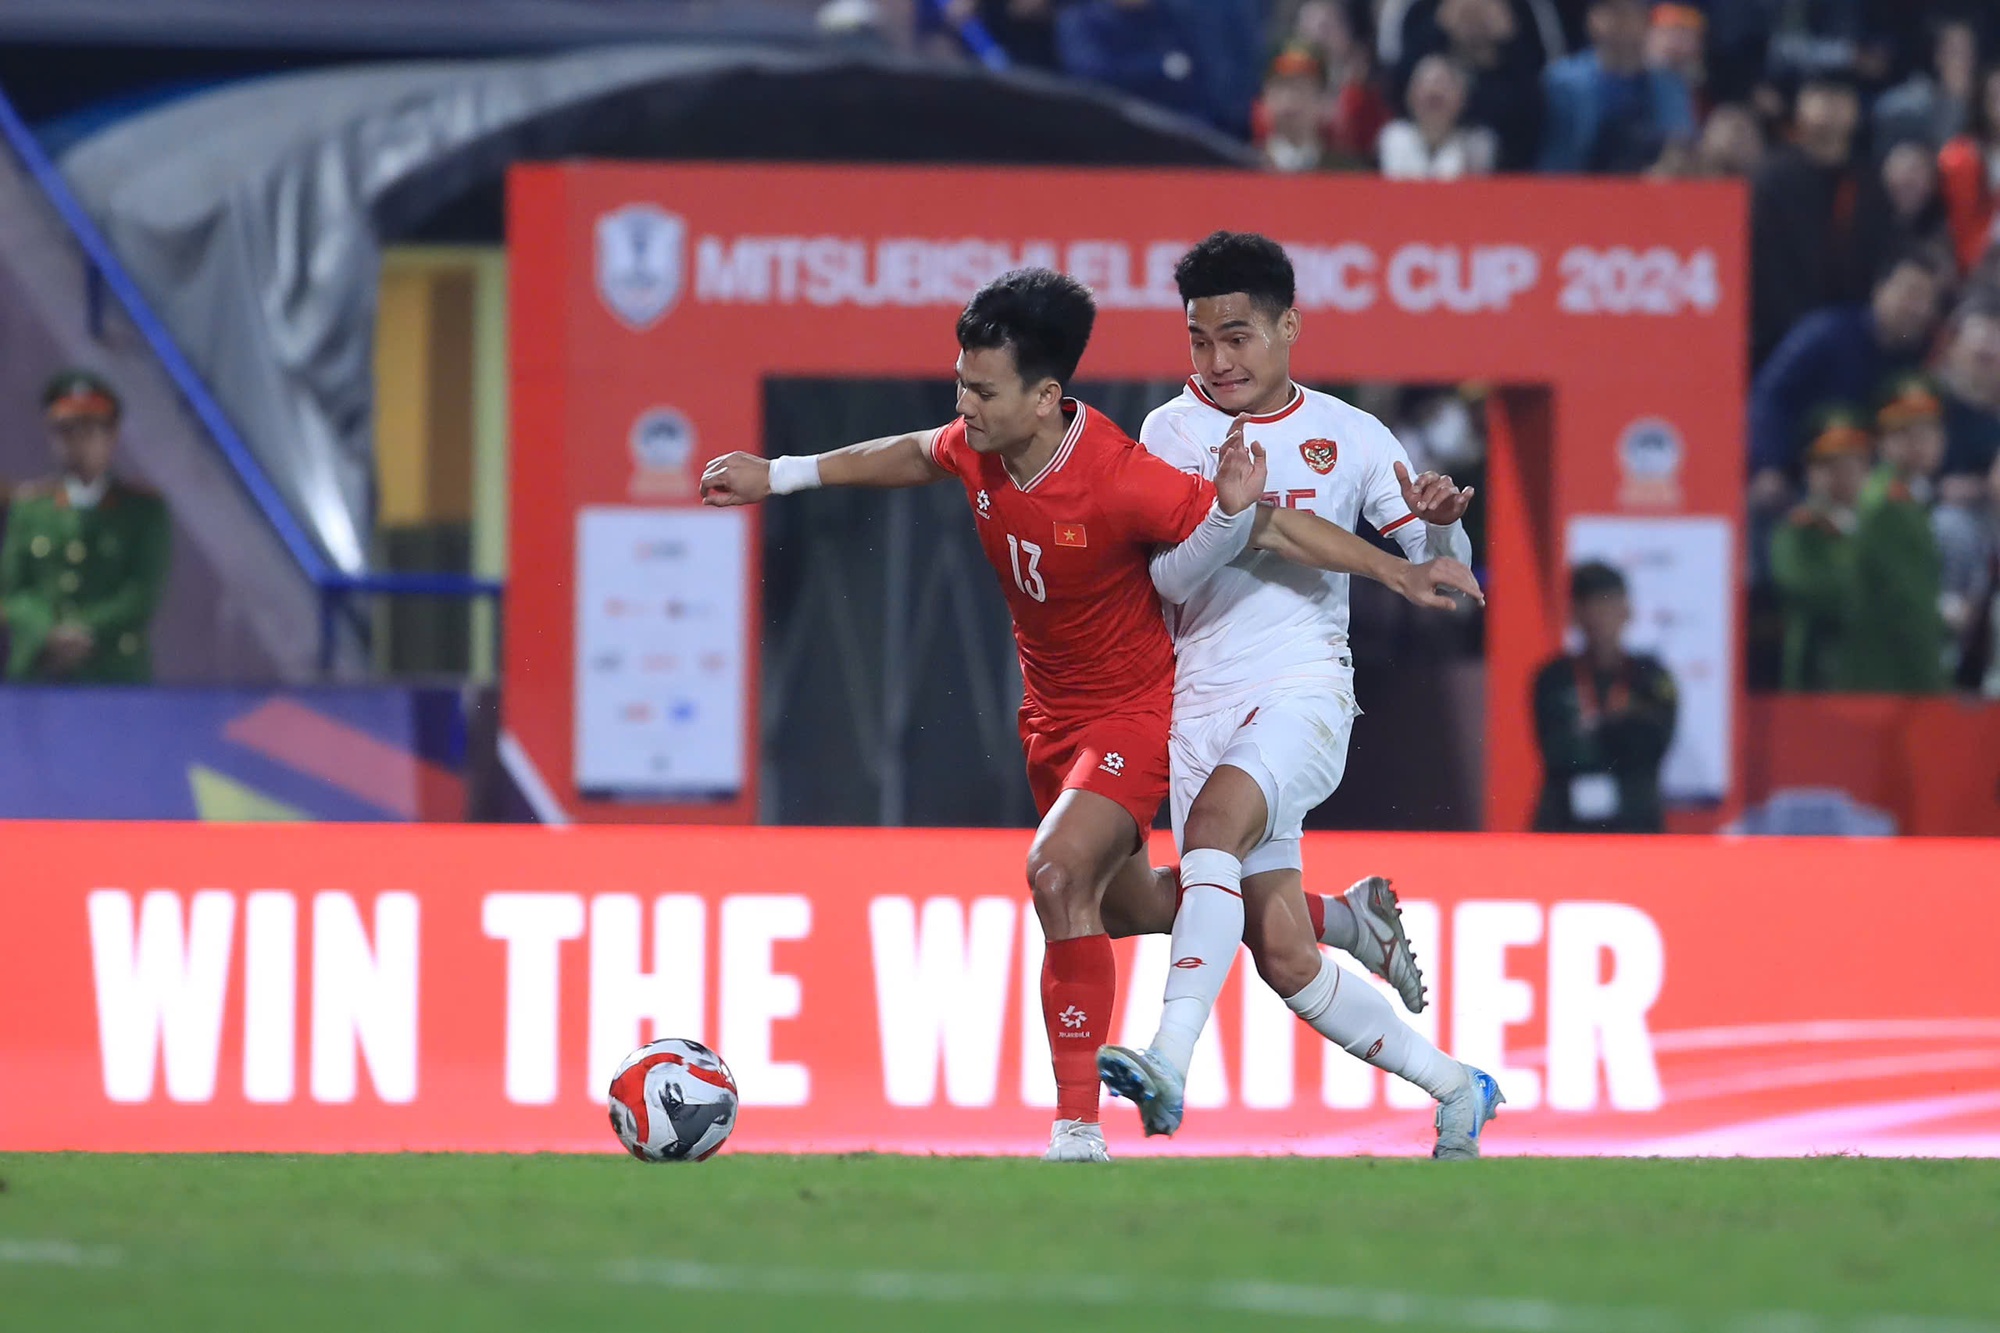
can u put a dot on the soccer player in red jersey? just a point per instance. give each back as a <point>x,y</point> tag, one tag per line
<point>1069,511</point>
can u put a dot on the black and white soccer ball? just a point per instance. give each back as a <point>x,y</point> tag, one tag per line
<point>673,1100</point>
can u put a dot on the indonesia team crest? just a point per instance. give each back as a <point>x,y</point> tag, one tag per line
<point>1320,455</point>
<point>639,263</point>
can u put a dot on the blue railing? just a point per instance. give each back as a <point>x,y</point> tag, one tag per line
<point>973,34</point>
<point>106,272</point>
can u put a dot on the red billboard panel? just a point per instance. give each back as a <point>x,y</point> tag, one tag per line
<point>173,987</point>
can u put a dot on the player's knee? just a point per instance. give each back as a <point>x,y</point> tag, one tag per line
<point>1218,828</point>
<point>1057,884</point>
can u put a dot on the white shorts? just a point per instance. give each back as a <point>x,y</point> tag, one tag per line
<point>1291,741</point>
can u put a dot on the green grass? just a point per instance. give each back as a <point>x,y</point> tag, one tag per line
<point>517,1243</point>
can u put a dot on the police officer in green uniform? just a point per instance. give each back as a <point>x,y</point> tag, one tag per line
<point>1895,635</point>
<point>1603,718</point>
<point>85,554</point>
<point>1812,555</point>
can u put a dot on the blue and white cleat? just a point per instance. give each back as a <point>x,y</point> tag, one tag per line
<point>1462,1115</point>
<point>1148,1082</point>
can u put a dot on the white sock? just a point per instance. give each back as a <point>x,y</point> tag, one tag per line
<point>1342,930</point>
<point>1207,930</point>
<point>1348,1012</point>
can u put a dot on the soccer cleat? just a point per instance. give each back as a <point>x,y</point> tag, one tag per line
<point>1382,947</point>
<point>1462,1115</point>
<point>1076,1141</point>
<point>1148,1082</point>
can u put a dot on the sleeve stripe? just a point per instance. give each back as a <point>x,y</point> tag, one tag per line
<point>1407,518</point>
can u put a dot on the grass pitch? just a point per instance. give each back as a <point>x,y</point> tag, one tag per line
<point>883,1243</point>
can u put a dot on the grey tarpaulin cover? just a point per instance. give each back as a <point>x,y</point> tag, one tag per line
<point>253,216</point>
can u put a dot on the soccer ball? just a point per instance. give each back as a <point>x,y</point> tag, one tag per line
<point>673,1100</point>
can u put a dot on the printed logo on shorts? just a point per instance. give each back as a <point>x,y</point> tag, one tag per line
<point>1375,1050</point>
<point>1320,455</point>
<point>1189,963</point>
<point>1114,764</point>
<point>1073,1017</point>
<point>984,504</point>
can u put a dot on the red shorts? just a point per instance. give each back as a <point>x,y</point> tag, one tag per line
<point>1122,756</point>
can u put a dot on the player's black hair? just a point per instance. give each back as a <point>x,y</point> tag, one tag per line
<point>1239,261</point>
<point>1044,316</point>
<point>1594,578</point>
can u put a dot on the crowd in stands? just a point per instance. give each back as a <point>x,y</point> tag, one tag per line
<point>1868,133</point>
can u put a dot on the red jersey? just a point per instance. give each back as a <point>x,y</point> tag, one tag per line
<point>1070,548</point>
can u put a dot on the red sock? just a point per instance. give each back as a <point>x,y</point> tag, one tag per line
<point>1316,909</point>
<point>1079,986</point>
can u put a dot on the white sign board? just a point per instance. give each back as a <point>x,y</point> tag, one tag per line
<point>660,671</point>
<point>1684,606</point>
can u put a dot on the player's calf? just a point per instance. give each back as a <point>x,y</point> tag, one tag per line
<point>1080,846</point>
<point>1285,954</point>
<point>1225,820</point>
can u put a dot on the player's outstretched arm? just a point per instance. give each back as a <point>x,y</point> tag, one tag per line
<point>894,460</point>
<point>1239,479</point>
<point>1305,538</point>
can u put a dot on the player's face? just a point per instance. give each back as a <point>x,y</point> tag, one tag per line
<point>1242,354</point>
<point>1000,411</point>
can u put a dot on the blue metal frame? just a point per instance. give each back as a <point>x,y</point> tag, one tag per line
<point>972,32</point>
<point>107,274</point>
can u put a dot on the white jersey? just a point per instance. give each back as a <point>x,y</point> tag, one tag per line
<point>1262,620</point>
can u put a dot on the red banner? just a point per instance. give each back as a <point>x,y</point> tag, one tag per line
<point>650,303</point>
<point>173,987</point>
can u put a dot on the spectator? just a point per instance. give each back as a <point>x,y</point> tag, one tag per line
<point>1227,39</point>
<point>1674,43</point>
<point>1812,555</point>
<point>1895,637</point>
<point>1504,56</point>
<point>1817,37</point>
<point>1732,142</point>
<point>1432,144</point>
<point>1357,111</point>
<point>1293,112</point>
<point>1969,174</point>
<point>1970,375</point>
<point>1901,210</point>
<point>1739,39</point>
<point>1827,355</point>
<point>1934,105</point>
<point>1965,535</point>
<point>1603,719</point>
<point>1802,205</point>
<point>1131,45</point>
<point>85,554</point>
<point>1979,651</point>
<point>1606,111</point>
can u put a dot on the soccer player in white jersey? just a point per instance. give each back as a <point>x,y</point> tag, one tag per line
<point>1264,701</point>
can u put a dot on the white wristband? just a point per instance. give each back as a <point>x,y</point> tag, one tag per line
<point>794,472</point>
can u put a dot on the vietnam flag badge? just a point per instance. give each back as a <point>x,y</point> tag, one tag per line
<point>1071,534</point>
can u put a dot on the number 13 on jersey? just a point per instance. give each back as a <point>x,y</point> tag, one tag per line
<point>1029,578</point>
